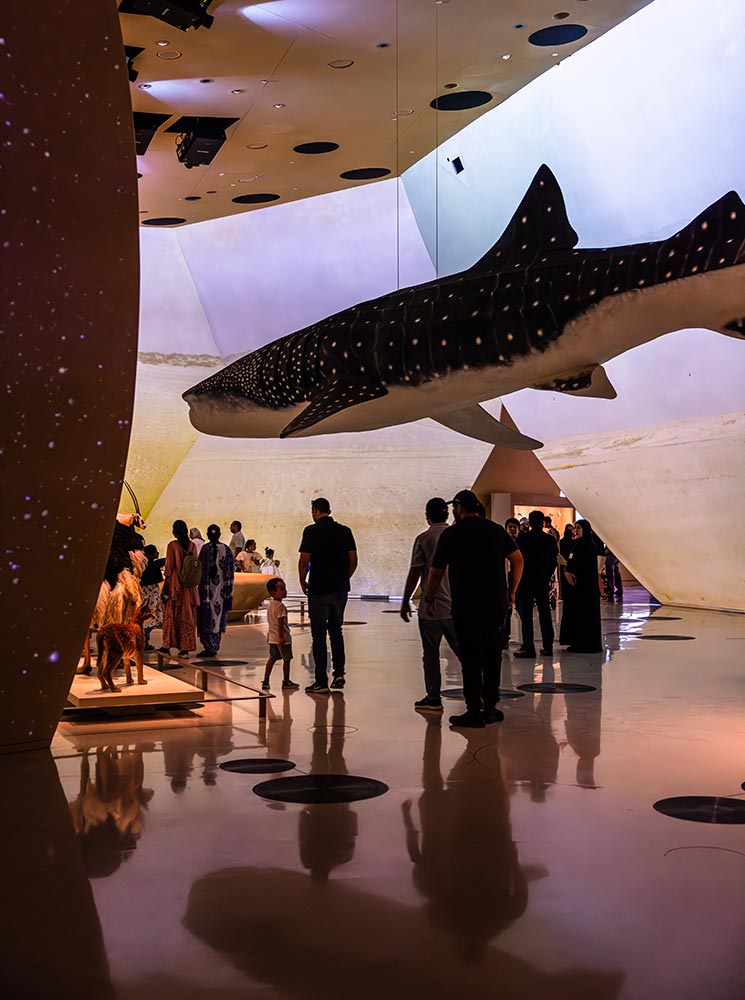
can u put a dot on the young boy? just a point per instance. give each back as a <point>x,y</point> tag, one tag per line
<point>279,638</point>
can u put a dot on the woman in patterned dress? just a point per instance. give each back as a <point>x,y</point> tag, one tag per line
<point>215,591</point>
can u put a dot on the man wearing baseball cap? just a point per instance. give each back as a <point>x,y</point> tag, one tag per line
<point>473,550</point>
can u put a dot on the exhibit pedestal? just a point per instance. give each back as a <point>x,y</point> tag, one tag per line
<point>161,689</point>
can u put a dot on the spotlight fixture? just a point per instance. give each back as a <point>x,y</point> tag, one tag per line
<point>506,56</point>
<point>340,63</point>
<point>181,14</point>
<point>257,145</point>
<point>278,105</point>
<point>200,145</point>
<point>144,86</point>
<point>131,52</point>
<point>236,91</point>
<point>161,42</point>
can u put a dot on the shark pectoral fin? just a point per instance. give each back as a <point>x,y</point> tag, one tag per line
<point>475,422</point>
<point>735,328</point>
<point>336,395</point>
<point>592,380</point>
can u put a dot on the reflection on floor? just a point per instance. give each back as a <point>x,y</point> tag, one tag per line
<point>524,860</point>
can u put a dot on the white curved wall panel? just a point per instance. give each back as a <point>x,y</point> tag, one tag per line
<point>644,129</point>
<point>265,274</point>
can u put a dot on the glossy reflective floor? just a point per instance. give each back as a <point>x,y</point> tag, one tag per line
<point>520,861</point>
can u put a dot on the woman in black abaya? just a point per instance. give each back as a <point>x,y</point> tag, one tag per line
<point>580,621</point>
<point>566,544</point>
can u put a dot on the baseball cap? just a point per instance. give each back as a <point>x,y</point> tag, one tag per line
<point>468,501</point>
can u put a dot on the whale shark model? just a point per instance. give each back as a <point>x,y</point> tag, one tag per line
<point>533,312</point>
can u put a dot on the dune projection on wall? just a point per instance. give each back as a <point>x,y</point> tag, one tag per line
<point>532,312</point>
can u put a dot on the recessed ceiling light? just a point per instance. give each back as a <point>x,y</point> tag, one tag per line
<point>506,56</point>
<point>449,86</point>
<point>561,15</point>
<point>383,45</point>
<point>278,105</point>
<point>263,81</point>
<point>257,145</point>
<point>518,27</point>
<point>207,80</point>
<point>234,185</point>
<point>168,54</point>
<point>144,86</point>
<point>221,174</point>
<point>162,42</point>
<point>405,111</point>
<point>555,55</point>
<point>236,91</point>
<point>211,192</point>
<point>340,63</point>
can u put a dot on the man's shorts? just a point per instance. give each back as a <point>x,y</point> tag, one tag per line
<point>283,652</point>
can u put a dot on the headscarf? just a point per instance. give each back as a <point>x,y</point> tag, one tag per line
<point>586,542</point>
<point>195,533</point>
<point>213,534</point>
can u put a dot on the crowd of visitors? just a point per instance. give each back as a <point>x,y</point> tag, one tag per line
<point>472,574</point>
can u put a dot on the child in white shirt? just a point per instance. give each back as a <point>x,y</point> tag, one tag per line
<point>278,637</point>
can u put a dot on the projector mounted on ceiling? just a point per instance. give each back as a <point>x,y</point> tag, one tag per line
<point>182,14</point>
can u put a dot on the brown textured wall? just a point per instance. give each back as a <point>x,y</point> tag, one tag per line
<point>69,278</point>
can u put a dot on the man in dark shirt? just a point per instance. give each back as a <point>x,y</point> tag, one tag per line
<point>540,553</point>
<point>474,550</point>
<point>329,551</point>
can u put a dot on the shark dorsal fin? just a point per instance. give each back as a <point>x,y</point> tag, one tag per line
<point>721,225</point>
<point>540,224</point>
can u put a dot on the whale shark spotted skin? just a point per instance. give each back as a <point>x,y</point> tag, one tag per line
<point>533,312</point>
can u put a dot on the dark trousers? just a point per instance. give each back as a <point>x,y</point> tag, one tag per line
<point>326,613</point>
<point>431,632</point>
<point>480,642</point>
<point>539,593</point>
<point>613,581</point>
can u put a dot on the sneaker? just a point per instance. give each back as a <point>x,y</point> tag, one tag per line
<point>467,721</point>
<point>493,715</point>
<point>338,682</point>
<point>265,685</point>
<point>428,705</point>
<point>317,689</point>
<point>289,684</point>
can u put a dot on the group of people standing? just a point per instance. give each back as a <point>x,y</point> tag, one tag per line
<point>473,573</point>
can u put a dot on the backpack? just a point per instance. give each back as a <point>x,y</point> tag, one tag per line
<point>190,574</point>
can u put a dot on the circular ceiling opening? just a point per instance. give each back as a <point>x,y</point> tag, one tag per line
<point>340,63</point>
<point>167,220</point>
<point>365,174</point>
<point>316,147</point>
<point>464,100</point>
<point>558,34</point>
<point>561,15</point>
<point>255,199</point>
<point>193,197</point>
<point>257,145</point>
<point>169,54</point>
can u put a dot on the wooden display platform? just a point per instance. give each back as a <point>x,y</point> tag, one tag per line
<point>161,689</point>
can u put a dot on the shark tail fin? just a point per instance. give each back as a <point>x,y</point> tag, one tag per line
<point>539,225</point>
<point>720,226</point>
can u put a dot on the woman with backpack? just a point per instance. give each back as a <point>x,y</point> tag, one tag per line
<point>181,592</point>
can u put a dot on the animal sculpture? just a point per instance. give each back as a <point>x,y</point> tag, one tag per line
<point>117,644</point>
<point>533,312</point>
<point>120,592</point>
